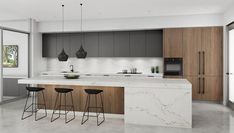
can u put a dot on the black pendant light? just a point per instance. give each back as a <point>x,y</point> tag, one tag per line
<point>63,56</point>
<point>81,53</point>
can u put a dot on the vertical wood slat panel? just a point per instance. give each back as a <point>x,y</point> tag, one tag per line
<point>113,97</point>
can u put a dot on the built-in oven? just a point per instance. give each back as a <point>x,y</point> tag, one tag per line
<point>173,66</point>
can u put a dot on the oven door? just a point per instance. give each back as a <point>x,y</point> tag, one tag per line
<point>173,69</point>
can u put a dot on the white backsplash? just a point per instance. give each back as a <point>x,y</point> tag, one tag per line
<point>105,65</point>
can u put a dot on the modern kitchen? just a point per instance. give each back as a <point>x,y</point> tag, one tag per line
<point>87,66</point>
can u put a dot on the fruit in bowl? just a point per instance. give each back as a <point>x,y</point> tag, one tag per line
<point>71,76</point>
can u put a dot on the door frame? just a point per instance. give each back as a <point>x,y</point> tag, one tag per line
<point>228,27</point>
<point>1,50</point>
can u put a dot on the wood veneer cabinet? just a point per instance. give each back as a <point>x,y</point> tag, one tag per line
<point>202,56</point>
<point>212,48</point>
<point>191,51</point>
<point>201,50</point>
<point>173,42</point>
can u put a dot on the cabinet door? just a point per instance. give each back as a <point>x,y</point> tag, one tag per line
<point>212,43</point>
<point>22,89</point>
<point>137,44</point>
<point>63,41</point>
<point>173,43</point>
<point>212,88</point>
<point>49,45</point>
<point>106,44</point>
<point>121,44</point>
<point>4,86</point>
<point>191,51</point>
<point>91,44</point>
<point>196,86</point>
<point>12,87</point>
<point>154,42</point>
<point>75,43</point>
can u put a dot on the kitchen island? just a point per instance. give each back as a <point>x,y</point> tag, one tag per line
<point>142,100</point>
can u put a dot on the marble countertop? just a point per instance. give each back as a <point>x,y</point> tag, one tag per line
<point>111,81</point>
<point>54,73</point>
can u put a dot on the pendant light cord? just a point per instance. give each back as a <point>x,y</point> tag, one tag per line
<point>63,24</point>
<point>81,23</point>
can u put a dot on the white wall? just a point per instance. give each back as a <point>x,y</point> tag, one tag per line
<point>37,63</point>
<point>22,25</point>
<point>229,15</point>
<point>135,23</point>
<point>105,65</point>
<point>20,39</point>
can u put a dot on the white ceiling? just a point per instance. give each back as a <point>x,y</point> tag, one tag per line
<point>49,10</point>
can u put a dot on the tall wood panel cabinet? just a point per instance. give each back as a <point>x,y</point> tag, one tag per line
<point>202,56</point>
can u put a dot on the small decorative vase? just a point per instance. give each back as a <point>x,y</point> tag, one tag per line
<point>152,69</point>
<point>157,69</point>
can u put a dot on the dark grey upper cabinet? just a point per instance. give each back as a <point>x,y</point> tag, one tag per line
<point>121,44</point>
<point>49,45</point>
<point>106,44</point>
<point>91,44</point>
<point>154,41</point>
<point>75,43</point>
<point>137,44</point>
<point>63,41</point>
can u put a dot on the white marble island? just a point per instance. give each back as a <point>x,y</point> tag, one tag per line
<point>147,101</point>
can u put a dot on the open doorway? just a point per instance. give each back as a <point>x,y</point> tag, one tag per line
<point>15,63</point>
<point>230,72</point>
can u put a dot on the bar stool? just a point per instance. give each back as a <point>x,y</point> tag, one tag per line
<point>93,92</point>
<point>35,91</point>
<point>60,92</point>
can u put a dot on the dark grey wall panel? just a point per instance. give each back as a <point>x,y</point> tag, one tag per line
<point>154,41</point>
<point>106,44</point>
<point>121,44</point>
<point>137,44</point>
<point>91,44</point>
<point>75,43</point>
<point>63,41</point>
<point>49,45</point>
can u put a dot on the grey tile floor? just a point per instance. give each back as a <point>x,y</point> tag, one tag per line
<point>207,118</point>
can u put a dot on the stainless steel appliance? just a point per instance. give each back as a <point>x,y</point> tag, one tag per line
<point>173,66</point>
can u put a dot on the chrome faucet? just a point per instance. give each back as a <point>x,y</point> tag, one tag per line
<point>71,66</point>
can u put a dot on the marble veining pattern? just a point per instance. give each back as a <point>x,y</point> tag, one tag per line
<point>152,108</point>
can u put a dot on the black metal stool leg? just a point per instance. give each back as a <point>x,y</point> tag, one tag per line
<point>66,112</point>
<point>44,104</point>
<point>86,109</point>
<point>55,108</point>
<point>25,108</point>
<point>65,97</point>
<point>102,108</point>
<point>73,107</point>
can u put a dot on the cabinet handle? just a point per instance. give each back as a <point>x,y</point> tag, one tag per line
<point>199,63</point>
<point>203,62</point>
<point>203,90</point>
<point>199,85</point>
